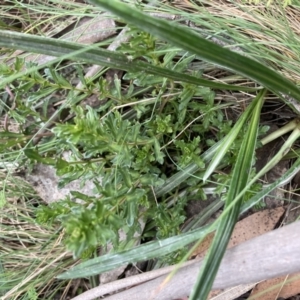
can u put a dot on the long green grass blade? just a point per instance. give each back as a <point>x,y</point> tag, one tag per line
<point>208,51</point>
<point>95,55</point>
<point>140,253</point>
<point>240,179</point>
<point>229,139</point>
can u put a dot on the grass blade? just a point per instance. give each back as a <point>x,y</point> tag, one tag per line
<point>143,252</point>
<point>227,142</point>
<point>94,55</point>
<point>240,179</point>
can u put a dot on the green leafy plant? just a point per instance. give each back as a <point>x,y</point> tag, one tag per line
<point>157,138</point>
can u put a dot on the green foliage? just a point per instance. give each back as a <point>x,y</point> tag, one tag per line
<point>189,152</point>
<point>151,126</point>
<point>122,149</point>
<point>141,44</point>
<point>32,294</point>
<point>168,220</point>
<point>125,156</point>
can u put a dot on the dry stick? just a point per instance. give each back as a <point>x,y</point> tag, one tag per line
<point>128,282</point>
<point>270,255</point>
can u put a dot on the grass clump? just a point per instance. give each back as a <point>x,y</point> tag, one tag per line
<point>31,255</point>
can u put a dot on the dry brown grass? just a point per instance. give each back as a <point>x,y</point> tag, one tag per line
<point>273,27</point>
